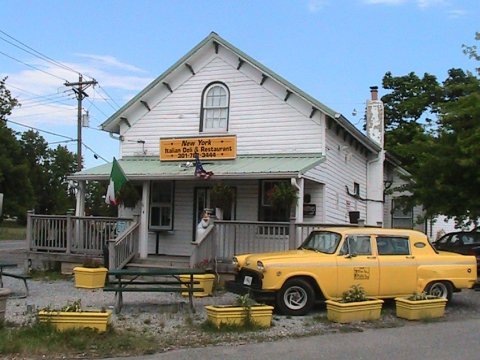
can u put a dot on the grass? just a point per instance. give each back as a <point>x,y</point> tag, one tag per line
<point>10,231</point>
<point>42,339</point>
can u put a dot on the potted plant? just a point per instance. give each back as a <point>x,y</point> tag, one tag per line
<point>420,306</point>
<point>72,316</point>
<point>4,294</point>
<point>91,275</point>
<point>283,195</point>
<point>245,312</point>
<point>205,281</point>
<point>129,195</point>
<point>221,197</point>
<point>354,306</point>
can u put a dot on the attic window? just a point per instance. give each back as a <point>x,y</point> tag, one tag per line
<point>215,103</point>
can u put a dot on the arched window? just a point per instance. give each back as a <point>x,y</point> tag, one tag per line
<point>215,108</point>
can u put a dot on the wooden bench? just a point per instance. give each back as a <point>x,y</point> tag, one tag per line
<point>127,281</point>
<point>23,277</point>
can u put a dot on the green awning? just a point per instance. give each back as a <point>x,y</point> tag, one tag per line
<point>244,167</point>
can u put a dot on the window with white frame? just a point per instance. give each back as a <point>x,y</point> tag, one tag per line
<point>215,104</point>
<point>161,205</point>
<point>402,217</point>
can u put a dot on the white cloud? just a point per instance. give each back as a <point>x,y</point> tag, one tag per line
<point>315,6</point>
<point>385,2</point>
<point>423,4</point>
<point>110,61</point>
<point>455,14</point>
<point>46,100</point>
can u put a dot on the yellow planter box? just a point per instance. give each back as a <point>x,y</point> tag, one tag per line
<point>420,309</point>
<point>354,311</point>
<point>90,278</point>
<point>205,282</point>
<point>261,315</point>
<point>69,320</point>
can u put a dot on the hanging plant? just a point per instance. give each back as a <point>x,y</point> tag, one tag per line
<point>129,195</point>
<point>221,196</point>
<point>283,195</point>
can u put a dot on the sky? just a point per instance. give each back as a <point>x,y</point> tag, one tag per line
<point>333,50</point>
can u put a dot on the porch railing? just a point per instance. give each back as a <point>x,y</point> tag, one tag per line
<point>75,235</point>
<point>204,249</point>
<point>240,237</point>
<point>124,248</point>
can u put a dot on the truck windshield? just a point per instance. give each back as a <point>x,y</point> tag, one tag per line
<point>322,241</point>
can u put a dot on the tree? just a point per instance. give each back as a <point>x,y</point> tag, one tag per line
<point>14,181</point>
<point>437,136</point>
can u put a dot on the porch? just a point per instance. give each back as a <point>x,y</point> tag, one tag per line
<point>115,241</point>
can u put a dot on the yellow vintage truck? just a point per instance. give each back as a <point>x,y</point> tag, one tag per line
<point>386,262</point>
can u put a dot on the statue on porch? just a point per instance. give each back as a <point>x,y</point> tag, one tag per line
<point>204,226</point>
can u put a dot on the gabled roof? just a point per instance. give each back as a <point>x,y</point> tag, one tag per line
<point>214,40</point>
<point>244,166</point>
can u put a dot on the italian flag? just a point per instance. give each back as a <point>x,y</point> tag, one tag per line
<point>117,180</point>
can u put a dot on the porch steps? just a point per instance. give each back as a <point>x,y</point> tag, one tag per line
<point>160,261</point>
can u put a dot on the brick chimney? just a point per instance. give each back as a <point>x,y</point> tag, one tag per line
<point>375,121</point>
<point>375,131</point>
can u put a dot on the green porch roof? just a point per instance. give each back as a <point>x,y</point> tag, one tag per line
<point>244,166</point>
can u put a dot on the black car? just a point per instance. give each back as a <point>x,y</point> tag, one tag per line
<point>462,242</point>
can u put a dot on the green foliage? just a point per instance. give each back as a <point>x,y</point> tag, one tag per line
<point>38,339</point>
<point>434,130</point>
<point>10,231</point>
<point>283,195</point>
<point>421,296</point>
<point>221,196</point>
<point>129,195</point>
<point>356,293</point>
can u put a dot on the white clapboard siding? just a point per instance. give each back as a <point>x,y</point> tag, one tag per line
<point>263,122</point>
<point>315,190</point>
<point>343,167</point>
<point>178,241</point>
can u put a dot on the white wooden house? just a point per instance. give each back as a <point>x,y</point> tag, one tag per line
<point>252,129</point>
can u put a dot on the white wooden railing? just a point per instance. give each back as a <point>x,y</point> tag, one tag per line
<point>124,248</point>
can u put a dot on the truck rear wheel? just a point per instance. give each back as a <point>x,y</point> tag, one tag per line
<point>296,297</point>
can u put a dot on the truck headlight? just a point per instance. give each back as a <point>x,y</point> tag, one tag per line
<point>260,266</point>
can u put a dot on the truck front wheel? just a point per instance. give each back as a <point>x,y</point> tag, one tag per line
<point>296,297</point>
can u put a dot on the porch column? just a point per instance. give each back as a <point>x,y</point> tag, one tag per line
<point>143,231</point>
<point>80,206</point>
<point>299,185</point>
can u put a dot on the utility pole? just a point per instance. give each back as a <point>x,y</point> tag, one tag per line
<point>79,90</point>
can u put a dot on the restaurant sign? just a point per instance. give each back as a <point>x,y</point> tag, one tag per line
<point>218,147</point>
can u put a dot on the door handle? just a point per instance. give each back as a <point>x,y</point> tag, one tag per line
<point>371,257</point>
<point>410,257</point>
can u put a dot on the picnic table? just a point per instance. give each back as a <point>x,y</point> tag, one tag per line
<point>23,277</point>
<point>146,280</point>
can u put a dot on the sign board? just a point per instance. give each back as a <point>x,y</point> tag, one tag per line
<point>211,148</point>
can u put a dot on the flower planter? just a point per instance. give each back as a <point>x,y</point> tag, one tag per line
<point>4,294</point>
<point>354,311</point>
<point>420,309</point>
<point>90,278</point>
<point>205,282</point>
<point>63,320</point>
<point>260,315</point>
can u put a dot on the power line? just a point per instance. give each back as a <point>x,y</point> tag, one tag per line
<point>36,53</point>
<point>40,130</point>
<point>95,153</point>
<point>31,66</point>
